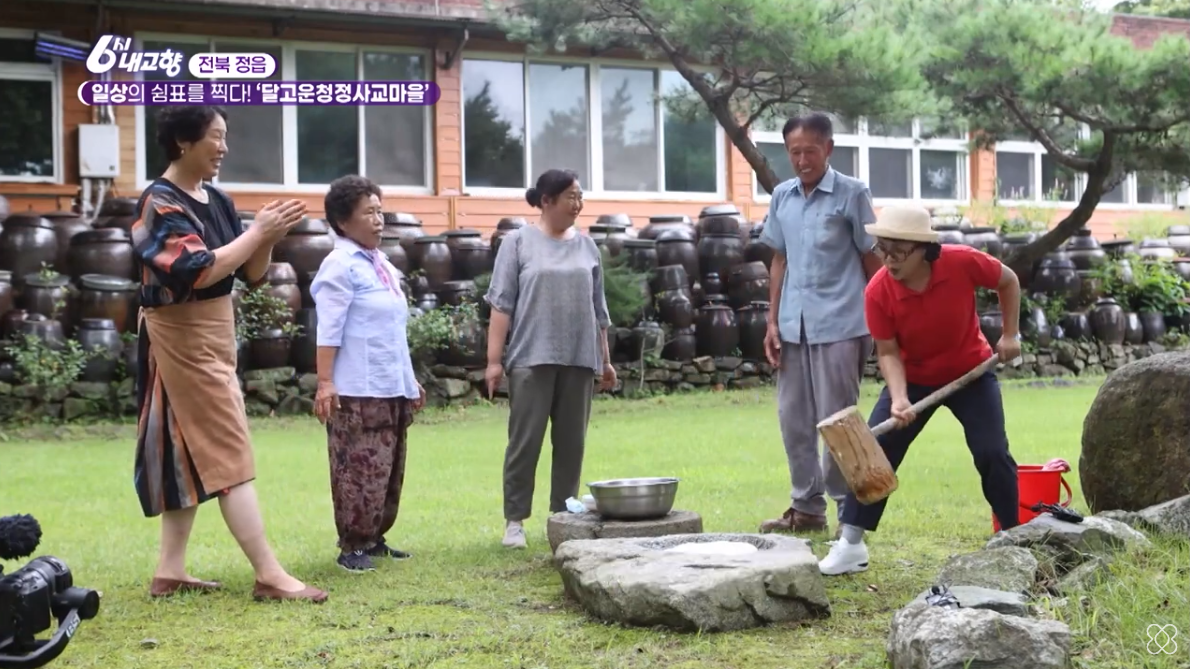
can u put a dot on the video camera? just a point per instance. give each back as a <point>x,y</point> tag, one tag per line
<point>30,595</point>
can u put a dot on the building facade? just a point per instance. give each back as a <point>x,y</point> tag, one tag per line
<point>503,117</point>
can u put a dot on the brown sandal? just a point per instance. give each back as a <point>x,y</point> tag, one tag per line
<point>165,587</point>
<point>262,592</point>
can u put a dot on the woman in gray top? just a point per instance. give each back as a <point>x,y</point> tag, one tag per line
<point>547,301</point>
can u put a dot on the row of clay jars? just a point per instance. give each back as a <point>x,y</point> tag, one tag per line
<point>720,332</point>
<point>30,242</point>
<point>94,296</point>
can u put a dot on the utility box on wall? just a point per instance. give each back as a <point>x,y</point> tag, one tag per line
<point>99,151</point>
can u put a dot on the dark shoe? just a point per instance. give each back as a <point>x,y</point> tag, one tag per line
<point>384,550</point>
<point>357,561</point>
<point>164,587</point>
<point>262,592</point>
<point>796,522</point>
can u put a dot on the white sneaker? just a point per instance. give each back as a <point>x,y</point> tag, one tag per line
<point>514,535</point>
<point>844,558</point>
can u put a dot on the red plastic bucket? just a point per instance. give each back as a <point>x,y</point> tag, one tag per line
<point>1039,483</point>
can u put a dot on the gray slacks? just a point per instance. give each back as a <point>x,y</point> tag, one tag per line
<point>557,394</point>
<point>815,381</point>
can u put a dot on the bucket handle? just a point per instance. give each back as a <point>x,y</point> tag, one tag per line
<point>1064,505</point>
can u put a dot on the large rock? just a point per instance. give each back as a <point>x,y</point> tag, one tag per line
<point>566,526</point>
<point>1136,436</point>
<point>1009,569</point>
<point>640,582</point>
<point>930,637</point>
<point>1070,543</point>
<point>1172,517</point>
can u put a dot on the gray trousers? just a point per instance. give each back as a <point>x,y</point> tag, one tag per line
<point>815,381</point>
<point>560,395</point>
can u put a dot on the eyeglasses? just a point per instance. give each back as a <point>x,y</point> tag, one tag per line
<point>895,253</point>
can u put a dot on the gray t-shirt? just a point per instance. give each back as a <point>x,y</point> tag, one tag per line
<point>552,290</point>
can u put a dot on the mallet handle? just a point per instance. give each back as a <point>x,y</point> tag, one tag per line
<point>942,393</point>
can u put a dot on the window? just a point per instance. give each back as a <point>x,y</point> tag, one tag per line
<point>30,123</point>
<point>899,160</point>
<point>609,123</point>
<point>1025,172</point>
<point>310,146</point>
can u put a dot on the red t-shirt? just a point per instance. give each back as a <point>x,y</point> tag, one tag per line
<point>937,329</point>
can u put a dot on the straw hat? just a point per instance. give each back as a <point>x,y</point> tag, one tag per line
<point>905,223</point>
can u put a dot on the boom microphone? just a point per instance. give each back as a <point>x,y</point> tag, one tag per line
<point>19,536</point>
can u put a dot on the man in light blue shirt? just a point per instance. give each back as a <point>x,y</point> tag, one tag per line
<point>817,337</point>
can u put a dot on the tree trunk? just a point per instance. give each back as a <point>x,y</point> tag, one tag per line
<point>1024,259</point>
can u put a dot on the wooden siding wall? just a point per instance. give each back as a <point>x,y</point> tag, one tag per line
<point>447,207</point>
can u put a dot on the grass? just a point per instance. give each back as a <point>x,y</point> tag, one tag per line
<point>464,601</point>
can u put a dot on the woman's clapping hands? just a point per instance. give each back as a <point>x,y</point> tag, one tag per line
<point>277,218</point>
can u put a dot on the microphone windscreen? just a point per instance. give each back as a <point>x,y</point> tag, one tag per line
<point>19,536</point>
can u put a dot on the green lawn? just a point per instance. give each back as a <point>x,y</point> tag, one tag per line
<point>464,601</point>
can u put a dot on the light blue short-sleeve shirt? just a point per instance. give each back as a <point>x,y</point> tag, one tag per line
<point>823,239</point>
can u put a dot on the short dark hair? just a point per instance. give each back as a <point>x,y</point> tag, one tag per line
<point>184,124</point>
<point>551,184</point>
<point>344,196</point>
<point>816,122</point>
<point>933,250</point>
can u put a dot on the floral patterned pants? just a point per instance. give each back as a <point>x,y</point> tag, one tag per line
<point>366,446</point>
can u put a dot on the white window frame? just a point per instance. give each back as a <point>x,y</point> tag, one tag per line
<point>862,141</point>
<point>49,72</point>
<point>1080,183</point>
<point>594,133</point>
<point>289,148</point>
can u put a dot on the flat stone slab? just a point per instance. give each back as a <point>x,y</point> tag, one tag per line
<point>568,526</point>
<point>975,597</point>
<point>641,582</point>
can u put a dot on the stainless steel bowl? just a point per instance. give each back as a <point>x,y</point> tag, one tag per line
<point>634,499</point>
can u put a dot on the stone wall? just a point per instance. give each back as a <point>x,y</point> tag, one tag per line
<point>284,392</point>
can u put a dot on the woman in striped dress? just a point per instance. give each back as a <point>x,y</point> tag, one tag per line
<point>192,434</point>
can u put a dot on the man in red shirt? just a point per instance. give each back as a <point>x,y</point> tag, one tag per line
<point>920,310</point>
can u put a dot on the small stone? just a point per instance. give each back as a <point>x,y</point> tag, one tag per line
<point>688,369</point>
<point>476,375</point>
<point>1084,576</point>
<point>673,365</point>
<point>748,368</point>
<point>685,388</point>
<point>723,378</point>
<point>295,405</point>
<point>275,374</point>
<point>705,364</point>
<point>746,383</point>
<point>766,369</point>
<point>257,408</point>
<point>448,372</point>
<point>657,375</point>
<point>308,384</point>
<point>698,379</point>
<point>5,388</point>
<point>728,364</point>
<point>264,390</point>
<point>74,408</point>
<point>454,388</point>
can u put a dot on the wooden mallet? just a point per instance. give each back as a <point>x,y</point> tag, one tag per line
<point>854,446</point>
